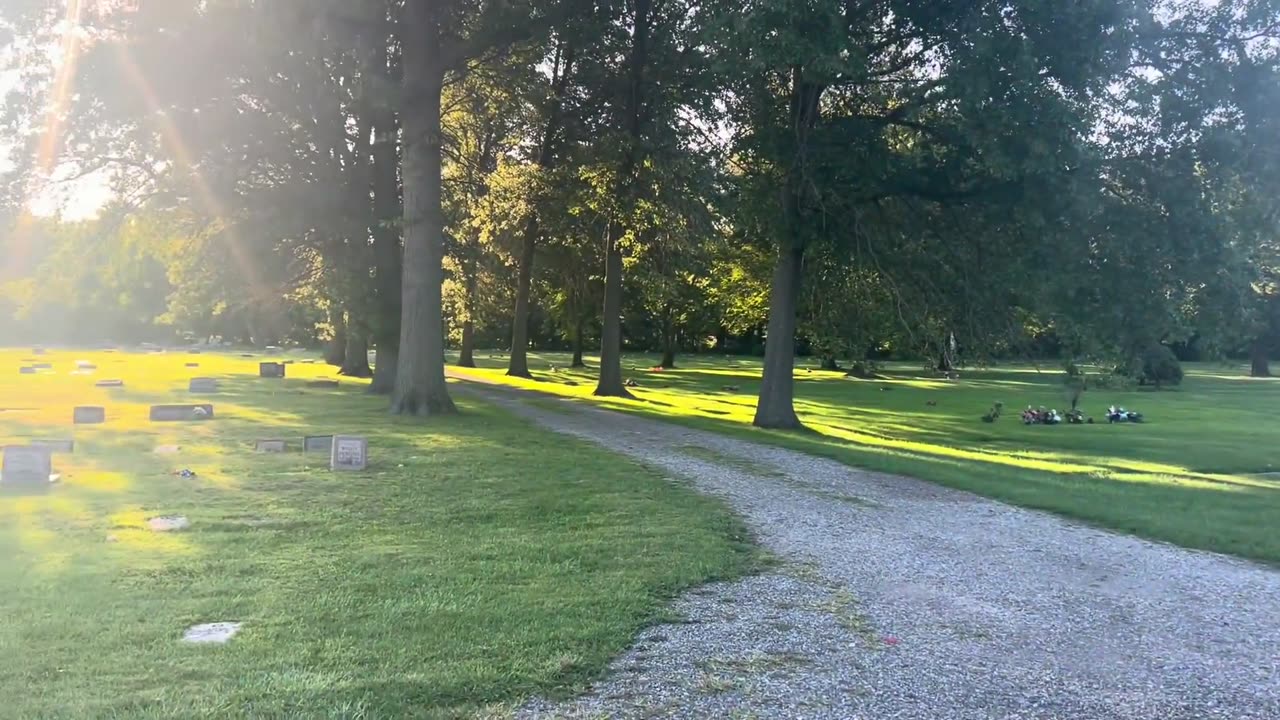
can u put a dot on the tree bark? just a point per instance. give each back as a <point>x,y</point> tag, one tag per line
<point>776,405</point>
<point>518,366</point>
<point>829,362</point>
<point>420,387</point>
<point>356,363</point>
<point>610,383</point>
<point>578,332</point>
<point>387,254</point>
<point>776,408</point>
<point>336,354</point>
<point>668,342</point>
<point>1260,358</point>
<point>519,362</point>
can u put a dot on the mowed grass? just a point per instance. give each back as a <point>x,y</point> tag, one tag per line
<point>1196,474</point>
<point>478,561</point>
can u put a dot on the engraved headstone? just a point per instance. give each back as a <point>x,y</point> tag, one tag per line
<point>181,413</point>
<point>25,466</point>
<point>271,370</point>
<point>349,453</point>
<point>109,384</point>
<point>89,415</point>
<point>270,446</point>
<point>202,385</point>
<point>318,444</point>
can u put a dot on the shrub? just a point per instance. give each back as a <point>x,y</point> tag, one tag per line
<point>1160,367</point>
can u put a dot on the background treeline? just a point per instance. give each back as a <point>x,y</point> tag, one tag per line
<point>1092,181</point>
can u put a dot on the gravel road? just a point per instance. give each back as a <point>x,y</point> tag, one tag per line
<point>902,599</point>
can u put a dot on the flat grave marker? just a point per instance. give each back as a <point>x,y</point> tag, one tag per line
<point>318,444</point>
<point>181,413</point>
<point>59,445</point>
<point>26,467</point>
<point>324,384</point>
<point>270,446</point>
<point>271,370</point>
<point>26,371</point>
<point>109,384</point>
<point>168,523</point>
<point>193,365</point>
<point>350,453</point>
<point>89,415</point>
<point>218,633</point>
<point>202,385</point>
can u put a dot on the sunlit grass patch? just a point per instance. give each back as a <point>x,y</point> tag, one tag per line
<point>477,561</point>
<point>1194,474</point>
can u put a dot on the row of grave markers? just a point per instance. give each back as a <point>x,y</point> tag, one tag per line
<point>32,464</point>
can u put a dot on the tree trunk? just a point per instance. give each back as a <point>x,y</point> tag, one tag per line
<point>357,355</point>
<point>776,408</point>
<point>387,254</point>
<point>668,342</point>
<point>336,354</point>
<point>420,387</point>
<point>1260,358</point>
<point>829,362</point>
<point>578,332</point>
<point>610,383</point>
<point>519,363</point>
<point>467,355</point>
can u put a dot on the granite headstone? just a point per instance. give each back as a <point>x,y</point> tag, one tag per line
<point>349,453</point>
<point>89,415</point>
<point>181,413</point>
<point>25,466</point>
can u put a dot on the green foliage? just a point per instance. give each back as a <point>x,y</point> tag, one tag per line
<point>1160,367</point>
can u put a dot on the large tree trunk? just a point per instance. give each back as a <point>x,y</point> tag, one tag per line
<point>420,381</point>
<point>776,408</point>
<point>1260,358</point>
<point>578,331</point>
<point>519,363</point>
<point>668,342</point>
<point>387,254</point>
<point>561,71</point>
<point>611,383</point>
<point>336,354</point>
<point>357,355</point>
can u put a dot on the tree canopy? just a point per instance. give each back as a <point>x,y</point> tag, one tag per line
<point>949,182</point>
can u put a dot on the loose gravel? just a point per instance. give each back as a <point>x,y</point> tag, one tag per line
<point>899,599</point>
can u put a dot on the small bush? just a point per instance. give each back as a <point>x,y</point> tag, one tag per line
<point>1160,367</point>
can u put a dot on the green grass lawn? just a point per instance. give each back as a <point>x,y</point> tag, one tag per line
<point>476,562</point>
<point>1195,474</point>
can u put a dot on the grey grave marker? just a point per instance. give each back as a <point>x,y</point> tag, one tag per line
<point>350,453</point>
<point>26,467</point>
<point>270,446</point>
<point>202,385</point>
<point>318,444</point>
<point>89,415</point>
<point>181,413</point>
<point>26,371</point>
<point>271,370</point>
<point>55,446</point>
<point>109,384</point>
